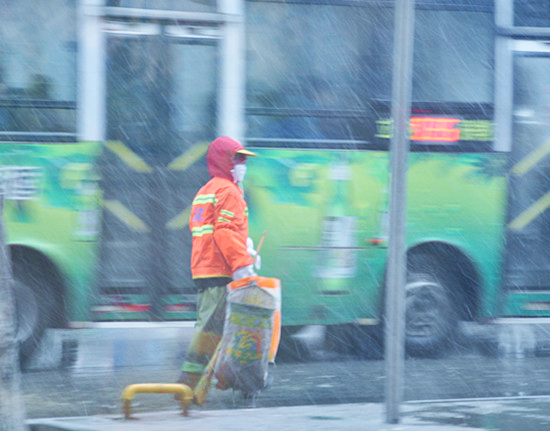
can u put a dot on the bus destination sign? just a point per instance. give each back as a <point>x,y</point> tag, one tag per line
<point>441,130</point>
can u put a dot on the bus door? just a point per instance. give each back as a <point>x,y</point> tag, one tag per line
<point>161,115</point>
<point>527,270</point>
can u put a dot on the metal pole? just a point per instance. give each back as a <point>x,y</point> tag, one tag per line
<point>231,95</point>
<point>504,17</point>
<point>396,271</point>
<point>91,72</point>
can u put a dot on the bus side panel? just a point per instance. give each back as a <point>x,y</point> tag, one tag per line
<point>323,212</point>
<point>457,199</point>
<point>52,206</point>
<point>460,199</point>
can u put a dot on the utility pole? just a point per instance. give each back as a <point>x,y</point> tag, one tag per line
<point>396,273</point>
<point>12,414</point>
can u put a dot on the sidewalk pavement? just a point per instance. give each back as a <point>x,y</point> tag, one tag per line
<point>502,414</point>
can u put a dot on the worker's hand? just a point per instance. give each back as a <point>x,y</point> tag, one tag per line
<point>245,271</point>
<point>257,258</point>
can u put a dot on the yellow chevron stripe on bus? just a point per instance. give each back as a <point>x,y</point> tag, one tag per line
<point>126,216</point>
<point>180,221</point>
<point>181,163</point>
<point>128,156</point>
<point>530,213</point>
<point>531,159</point>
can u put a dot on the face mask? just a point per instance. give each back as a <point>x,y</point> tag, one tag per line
<point>238,172</point>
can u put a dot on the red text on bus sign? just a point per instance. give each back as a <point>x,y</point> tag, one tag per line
<point>434,129</point>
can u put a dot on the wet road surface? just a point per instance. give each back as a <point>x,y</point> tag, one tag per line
<point>105,360</point>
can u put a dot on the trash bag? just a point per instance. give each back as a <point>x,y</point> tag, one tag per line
<point>251,334</point>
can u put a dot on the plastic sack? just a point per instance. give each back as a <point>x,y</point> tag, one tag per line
<point>251,334</point>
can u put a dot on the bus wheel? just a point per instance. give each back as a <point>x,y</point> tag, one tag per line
<point>430,317</point>
<point>35,305</point>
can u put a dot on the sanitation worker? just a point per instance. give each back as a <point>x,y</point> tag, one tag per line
<point>221,249</point>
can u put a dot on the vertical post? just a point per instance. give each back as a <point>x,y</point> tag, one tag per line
<point>231,93</point>
<point>504,18</point>
<point>12,413</point>
<point>396,271</point>
<point>91,72</point>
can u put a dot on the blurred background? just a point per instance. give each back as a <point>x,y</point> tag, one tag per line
<point>106,111</point>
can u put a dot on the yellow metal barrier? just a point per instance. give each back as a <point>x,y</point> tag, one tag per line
<point>185,394</point>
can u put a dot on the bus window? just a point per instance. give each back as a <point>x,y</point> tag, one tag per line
<point>38,76</point>
<point>324,88</point>
<point>531,13</point>
<point>311,86</point>
<point>449,65</point>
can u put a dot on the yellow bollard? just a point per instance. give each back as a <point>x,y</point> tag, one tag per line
<point>185,392</point>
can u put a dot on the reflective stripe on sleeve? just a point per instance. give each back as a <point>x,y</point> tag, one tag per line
<point>227,213</point>
<point>205,199</point>
<point>203,230</point>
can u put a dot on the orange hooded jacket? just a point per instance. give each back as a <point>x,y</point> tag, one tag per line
<point>219,217</point>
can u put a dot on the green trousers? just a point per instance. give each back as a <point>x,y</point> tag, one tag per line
<point>211,303</point>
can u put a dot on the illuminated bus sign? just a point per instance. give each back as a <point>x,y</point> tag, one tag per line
<point>434,129</point>
<point>441,130</point>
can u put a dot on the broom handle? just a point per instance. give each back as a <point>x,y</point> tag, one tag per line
<point>260,245</point>
<point>201,390</point>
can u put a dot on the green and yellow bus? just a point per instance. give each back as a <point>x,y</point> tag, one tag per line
<point>51,212</point>
<point>107,109</point>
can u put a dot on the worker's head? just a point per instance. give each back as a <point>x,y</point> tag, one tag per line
<point>226,158</point>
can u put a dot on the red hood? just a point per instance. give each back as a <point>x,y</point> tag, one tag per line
<point>220,155</point>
